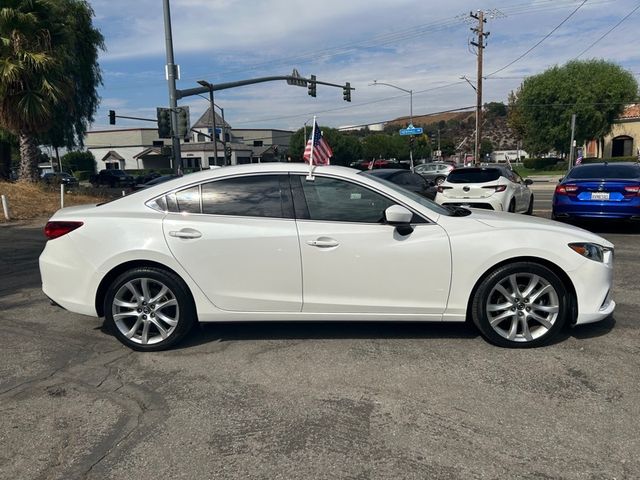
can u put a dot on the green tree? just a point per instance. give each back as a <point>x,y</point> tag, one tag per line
<point>79,161</point>
<point>346,148</point>
<point>42,50</point>
<point>595,90</point>
<point>486,147</point>
<point>493,110</point>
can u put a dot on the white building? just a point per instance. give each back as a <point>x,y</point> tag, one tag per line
<point>500,156</point>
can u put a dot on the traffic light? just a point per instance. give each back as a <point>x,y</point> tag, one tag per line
<point>112,117</point>
<point>164,122</point>
<point>228,152</point>
<point>184,125</point>
<point>346,92</point>
<point>412,141</point>
<point>312,86</point>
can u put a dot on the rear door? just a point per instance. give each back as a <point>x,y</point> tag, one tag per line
<point>237,239</point>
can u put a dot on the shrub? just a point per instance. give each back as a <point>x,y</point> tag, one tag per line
<point>79,161</point>
<point>541,163</point>
<point>82,175</point>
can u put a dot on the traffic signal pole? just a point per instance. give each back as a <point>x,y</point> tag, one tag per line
<point>480,45</point>
<point>173,98</point>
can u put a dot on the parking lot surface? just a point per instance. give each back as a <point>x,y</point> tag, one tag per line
<point>301,401</point>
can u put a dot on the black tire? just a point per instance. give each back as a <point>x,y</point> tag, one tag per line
<point>512,206</point>
<point>539,334</point>
<point>530,208</point>
<point>183,313</point>
<point>439,180</point>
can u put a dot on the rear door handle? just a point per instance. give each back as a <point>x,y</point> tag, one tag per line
<point>185,233</point>
<point>323,243</point>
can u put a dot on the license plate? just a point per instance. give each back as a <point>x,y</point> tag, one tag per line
<point>599,195</point>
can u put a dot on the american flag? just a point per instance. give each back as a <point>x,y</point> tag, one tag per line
<point>321,150</point>
<point>579,158</point>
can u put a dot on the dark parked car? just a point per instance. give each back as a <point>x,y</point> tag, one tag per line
<point>599,190</point>
<point>57,178</point>
<point>147,177</point>
<point>411,181</point>
<point>155,181</point>
<point>112,178</point>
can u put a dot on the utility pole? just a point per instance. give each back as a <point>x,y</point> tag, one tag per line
<point>573,131</point>
<point>480,45</point>
<point>214,134</point>
<point>173,98</point>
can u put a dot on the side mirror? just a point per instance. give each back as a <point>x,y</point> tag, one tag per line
<point>528,181</point>
<point>400,217</point>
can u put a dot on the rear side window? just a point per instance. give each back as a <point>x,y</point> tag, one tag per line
<point>249,196</point>
<point>599,172</point>
<point>474,175</point>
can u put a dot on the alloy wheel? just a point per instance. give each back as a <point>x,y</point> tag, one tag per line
<point>522,307</point>
<point>145,311</point>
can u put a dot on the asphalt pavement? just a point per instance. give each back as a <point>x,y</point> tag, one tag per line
<point>314,401</point>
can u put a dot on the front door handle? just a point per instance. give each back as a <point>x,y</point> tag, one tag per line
<point>185,233</point>
<point>323,242</point>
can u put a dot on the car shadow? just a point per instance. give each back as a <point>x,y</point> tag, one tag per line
<point>245,331</point>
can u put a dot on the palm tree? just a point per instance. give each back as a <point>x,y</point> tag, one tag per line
<point>32,80</point>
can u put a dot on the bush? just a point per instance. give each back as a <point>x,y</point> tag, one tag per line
<point>82,175</point>
<point>79,161</point>
<point>541,163</point>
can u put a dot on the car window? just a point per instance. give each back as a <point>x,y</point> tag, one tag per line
<point>411,180</point>
<point>584,172</point>
<point>474,175</point>
<point>188,200</point>
<point>336,200</point>
<point>250,196</point>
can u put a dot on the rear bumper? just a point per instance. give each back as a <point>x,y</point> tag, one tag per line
<point>565,207</point>
<point>484,203</point>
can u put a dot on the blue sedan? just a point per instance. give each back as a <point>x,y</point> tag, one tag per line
<point>599,190</point>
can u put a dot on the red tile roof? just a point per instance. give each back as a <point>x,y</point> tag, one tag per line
<point>631,111</point>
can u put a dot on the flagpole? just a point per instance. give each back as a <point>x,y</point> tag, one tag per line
<point>313,136</point>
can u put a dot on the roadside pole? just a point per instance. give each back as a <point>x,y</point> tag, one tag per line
<point>573,131</point>
<point>171,79</point>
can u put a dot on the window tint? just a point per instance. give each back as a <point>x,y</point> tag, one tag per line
<point>409,179</point>
<point>474,175</point>
<point>249,196</point>
<point>336,200</point>
<point>604,171</point>
<point>188,200</point>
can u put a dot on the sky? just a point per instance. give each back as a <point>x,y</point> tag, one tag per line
<point>415,45</point>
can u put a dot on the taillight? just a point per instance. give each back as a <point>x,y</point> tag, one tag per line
<point>635,189</point>
<point>497,188</point>
<point>57,229</point>
<point>566,190</point>
<point>442,189</point>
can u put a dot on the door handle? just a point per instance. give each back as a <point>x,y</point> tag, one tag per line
<point>185,233</point>
<point>323,243</point>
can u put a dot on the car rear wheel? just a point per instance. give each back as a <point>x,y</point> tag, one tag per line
<point>439,180</point>
<point>520,305</point>
<point>149,309</point>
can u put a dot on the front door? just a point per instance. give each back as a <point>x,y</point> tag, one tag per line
<point>354,263</point>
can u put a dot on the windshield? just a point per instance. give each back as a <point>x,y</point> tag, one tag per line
<point>118,173</point>
<point>430,204</point>
<point>585,172</point>
<point>474,175</point>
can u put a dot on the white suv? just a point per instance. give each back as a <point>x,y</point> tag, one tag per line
<point>492,188</point>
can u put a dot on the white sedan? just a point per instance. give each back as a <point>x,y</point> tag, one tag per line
<point>265,242</point>
<point>492,188</point>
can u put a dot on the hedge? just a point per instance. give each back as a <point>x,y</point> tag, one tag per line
<point>540,163</point>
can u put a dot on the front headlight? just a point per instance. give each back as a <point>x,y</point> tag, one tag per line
<point>592,251</point>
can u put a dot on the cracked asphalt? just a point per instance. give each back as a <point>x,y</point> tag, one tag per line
<point>325,401</point>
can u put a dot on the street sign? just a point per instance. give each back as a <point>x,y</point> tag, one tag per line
<point>437,153</point>
<point>411,130</point>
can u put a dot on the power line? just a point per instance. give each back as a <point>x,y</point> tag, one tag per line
<point>542,40</point>
<point>608,32</point>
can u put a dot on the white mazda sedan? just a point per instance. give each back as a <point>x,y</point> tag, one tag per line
<point>266,242</point>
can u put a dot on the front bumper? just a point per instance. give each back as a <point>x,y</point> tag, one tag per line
<point>593,282</point>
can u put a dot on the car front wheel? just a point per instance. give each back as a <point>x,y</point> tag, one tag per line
<point>520,305</point>
<point>149,309</point>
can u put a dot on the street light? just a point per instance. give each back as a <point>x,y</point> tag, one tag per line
<point>410,92</point>
<point>208,85</point>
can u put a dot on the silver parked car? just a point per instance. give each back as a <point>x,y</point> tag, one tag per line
<point>436,171</point>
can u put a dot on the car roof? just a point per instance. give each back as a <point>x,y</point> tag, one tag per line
<point>385,172</point>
